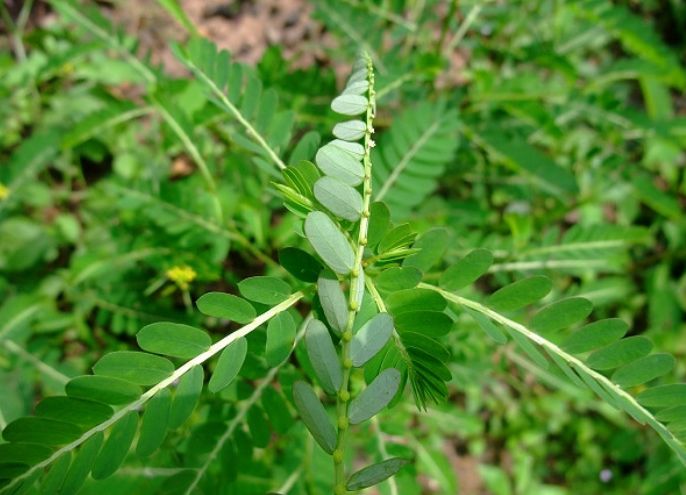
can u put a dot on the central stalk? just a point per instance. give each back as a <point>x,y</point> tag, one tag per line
<point>355,291</point>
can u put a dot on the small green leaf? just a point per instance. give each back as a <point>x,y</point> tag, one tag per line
<point>102,389</point>
<point>116,447</point>
<point>379,223</point>
<point>643,370</point>
<point>670,395</point>
<point>349,104</point>
<point>55,477</point>
<point>620,353</point>
<point>355,149</point>
<point>370,339</point>
<point>375,397</point>
<point>186,396</point>
<point>173,339</point>
<point>519,294</point>
<point>280,338</point>
<point>675,413</point>
<point>229,364</point>
<point>226,307</point>
<point>264,290</point>
<point>595,335</point>
<point>339,164</point>
<point>135,367</point>
<point>323,357</point>
<point>351,130</point>
<point>405,301</point>
<point>301,264</point>
<point>561,314</point>
<point>375,474</point>
<point>314,416</point>
<point>44,431</point>
<point>432,245</point>
<point>398,278</point>
<point>357,87</point>
<point>339,198</point>
<point>82,465</point>
<point>398,237</point>
<point>431,323</point>
<point>329,242</point>
<point>333,301</point>
<point>80,412</point>
<point>466,270</point>
<point>154,424</point>
<point>23,453</point>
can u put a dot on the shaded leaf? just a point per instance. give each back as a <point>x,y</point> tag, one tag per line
<point>227,307</point>
<point>375,397</point>
<point>229,364</point>
<point>314,416</point>
<point>173,339</point>
<point>329,242</point>
<point>323,356</point>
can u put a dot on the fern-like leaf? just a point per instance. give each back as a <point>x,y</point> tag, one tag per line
<point>64,425</point>
<point>584,356</point>
<point>237,90</point>
<point>413,155</point>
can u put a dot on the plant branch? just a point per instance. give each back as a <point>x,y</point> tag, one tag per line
<point>150,393</point>
<point>611,388</point>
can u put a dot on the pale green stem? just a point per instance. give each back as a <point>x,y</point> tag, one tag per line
<point>150,393</point>
<point>343,398</point>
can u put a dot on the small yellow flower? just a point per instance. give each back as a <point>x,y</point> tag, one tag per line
<point>181,276</point>
<point>4,191</point>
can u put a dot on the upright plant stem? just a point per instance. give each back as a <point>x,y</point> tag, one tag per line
<point>354,293</point>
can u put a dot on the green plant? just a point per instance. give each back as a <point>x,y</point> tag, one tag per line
<point>339,291</point>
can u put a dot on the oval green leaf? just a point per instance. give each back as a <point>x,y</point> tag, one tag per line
<point>595,335</point>
<point>135,367</point>
<point>301,264</point>
<point>186,396</point>
<point>228,365</point>
<point>44,431</point>
<point>339,198</point>
<point>79,412</point>
<point>620,353</point>
<point>173,339</point>
<point>375,474</point>
<point>281,332</point>
<point>349,104</point>
<point>670,395</point>
<point>370,339</point>
<point>375,397</point>
<point>314,416</point>
<point>519,294</point>
<point>643,370</point>
<point>398,278</point>
<point>116,447</point>
<point>323,357</point>
<point>264,290</point>
<point>351,130</point>
<point>329,242</point>
<point>333,301</point>
<point>339,164</point>
<point>226,307</point>
<point>466,270</point>
<point>561,314</point>
<point>102,389</point>
<point>154,423</point>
